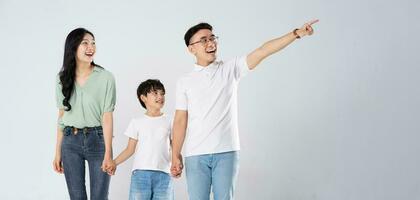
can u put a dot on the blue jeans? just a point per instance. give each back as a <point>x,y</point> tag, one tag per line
<point>219,170</point>
<point>150,184</point>
<point>85,145</point>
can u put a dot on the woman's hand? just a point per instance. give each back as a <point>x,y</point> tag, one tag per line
<point>58,164</point>
<point>108,166</point>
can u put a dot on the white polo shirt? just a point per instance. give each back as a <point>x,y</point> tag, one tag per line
<point>209,94</point>
<point>153,147</point>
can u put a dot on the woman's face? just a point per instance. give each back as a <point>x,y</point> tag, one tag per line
<point>86,49</point>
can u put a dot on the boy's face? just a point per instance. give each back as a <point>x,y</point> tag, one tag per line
<point>203,45</point>
<point>155,99</point>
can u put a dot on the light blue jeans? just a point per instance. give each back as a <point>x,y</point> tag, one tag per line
<point>150,185</point>
<point>218,170</point>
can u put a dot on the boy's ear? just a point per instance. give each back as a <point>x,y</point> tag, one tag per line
<point>143,98</point>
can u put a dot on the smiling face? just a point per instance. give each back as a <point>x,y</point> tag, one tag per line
<point>86,49</point>
<point>154,100</point>
<point>203,45</point>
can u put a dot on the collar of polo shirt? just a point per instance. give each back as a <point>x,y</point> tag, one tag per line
<point>212,65</point>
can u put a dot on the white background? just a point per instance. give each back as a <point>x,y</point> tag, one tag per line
<point>333,116</point>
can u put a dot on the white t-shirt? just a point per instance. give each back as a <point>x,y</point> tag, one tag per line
<point>153,136</point>
<point>209,94</point>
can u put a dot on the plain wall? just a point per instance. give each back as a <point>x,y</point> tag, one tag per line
<point>332,116</point>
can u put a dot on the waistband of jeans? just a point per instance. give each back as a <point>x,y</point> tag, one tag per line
<point>83,130</point>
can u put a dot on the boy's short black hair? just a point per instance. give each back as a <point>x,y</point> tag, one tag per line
<point>148,86</point>
<point>193,30</point>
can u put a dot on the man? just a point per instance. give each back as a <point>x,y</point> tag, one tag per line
<point>206,105</point>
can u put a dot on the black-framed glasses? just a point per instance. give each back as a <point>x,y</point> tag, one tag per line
<point>204,40</point>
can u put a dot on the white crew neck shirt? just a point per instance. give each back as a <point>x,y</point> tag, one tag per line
<point>153,136</point>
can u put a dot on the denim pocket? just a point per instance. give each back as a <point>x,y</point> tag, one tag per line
<point>67,131</point>
<point>67,139</point>
<point>100,132</point>
<point>100,135</point>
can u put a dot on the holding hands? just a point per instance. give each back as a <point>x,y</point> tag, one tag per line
<point>177,166</point>
<point>109,166</point>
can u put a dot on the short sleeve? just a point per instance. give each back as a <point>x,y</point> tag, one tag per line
<point>171,124</point>
<point>110,96</point>
<point>60,123</point>
<point>59,101</point>
<point>132,131</point>
<point>59,97</point>
<point>240,67</point>
<point>181,96</point>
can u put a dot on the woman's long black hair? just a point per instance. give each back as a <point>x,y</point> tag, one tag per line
<point>68,71</point>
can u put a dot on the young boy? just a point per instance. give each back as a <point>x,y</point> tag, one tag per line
<point>149,136</point>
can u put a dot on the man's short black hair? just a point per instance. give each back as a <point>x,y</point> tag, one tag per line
<point>148,86</point>
<point>193,30</point>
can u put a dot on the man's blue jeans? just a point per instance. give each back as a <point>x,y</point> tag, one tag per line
<point>78,147</point>
<point>218,170</point>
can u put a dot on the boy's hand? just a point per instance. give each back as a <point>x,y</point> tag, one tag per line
<point>177,166</point>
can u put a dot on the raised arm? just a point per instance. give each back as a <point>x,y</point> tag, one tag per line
<point>275,45</point>
<point>179,130</point>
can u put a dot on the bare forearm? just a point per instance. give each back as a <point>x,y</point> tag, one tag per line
<point>179,131</point>
<point>59,134</point>
<point>275,45</point>
<point>178,139</point>
<point>124,155</point>
<point>269,48</point>
<point>107,126</point>
<point>59,141</point>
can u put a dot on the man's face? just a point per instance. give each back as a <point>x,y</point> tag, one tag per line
<point>203,45</point>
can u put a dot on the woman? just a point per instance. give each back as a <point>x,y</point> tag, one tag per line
<point>86,98</point>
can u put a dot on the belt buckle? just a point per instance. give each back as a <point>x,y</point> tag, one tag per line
<point>74,131</point>
<point>85,130</point>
